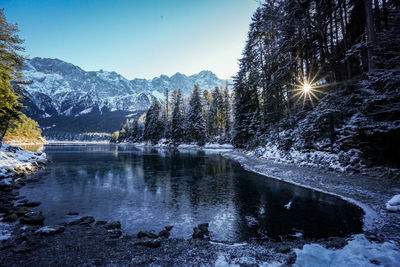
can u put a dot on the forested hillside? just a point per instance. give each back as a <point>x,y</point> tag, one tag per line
<point>203,117</point>
<point>321,76</point>
<point>318,85</point>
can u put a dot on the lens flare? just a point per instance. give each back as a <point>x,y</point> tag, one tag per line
<point>307,89</point>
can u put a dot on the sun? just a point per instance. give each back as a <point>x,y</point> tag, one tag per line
<point>307,89</point>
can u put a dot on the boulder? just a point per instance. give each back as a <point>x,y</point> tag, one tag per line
<point>147,234</point>
<point>51,230</point>
<point>10,217</point>
<point>22,210</point>
<point>33,217</point>
<point>201,231</point>
<point>32,204</point>
<point>164,234</point>
<point>169,227</point>
<point>83,221</point>
<point>113,225</point>
<point>114,233</point>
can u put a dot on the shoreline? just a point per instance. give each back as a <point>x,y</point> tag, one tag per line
<point>355,191</point>
<point>96,240</point>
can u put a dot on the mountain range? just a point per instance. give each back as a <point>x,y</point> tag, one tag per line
<point>68,101</point>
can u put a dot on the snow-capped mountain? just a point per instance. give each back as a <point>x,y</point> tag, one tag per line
<point>62,91</point>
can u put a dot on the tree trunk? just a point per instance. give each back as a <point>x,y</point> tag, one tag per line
<point>371,34</point>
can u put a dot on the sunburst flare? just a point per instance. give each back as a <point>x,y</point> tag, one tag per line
<point>307,89</point>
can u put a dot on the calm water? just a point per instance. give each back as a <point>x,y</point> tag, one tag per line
<point>148,189</point>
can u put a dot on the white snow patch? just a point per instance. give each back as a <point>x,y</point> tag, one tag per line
<point>358,252</point>
<point>5,232</point>
<point>393,204</point>
<point>85,111</point>
<point>46,230</point>
<point>224,260</point>
<point>14,158</point>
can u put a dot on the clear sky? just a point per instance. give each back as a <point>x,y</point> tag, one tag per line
<point>136,38</point>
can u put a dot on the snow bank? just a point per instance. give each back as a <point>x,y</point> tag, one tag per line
<point>393,204</point>
<point>225,260</point>
<point>342,161</point>
<point>358,252</point>
<point>15,160</point>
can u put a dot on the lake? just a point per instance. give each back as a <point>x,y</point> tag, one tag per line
<point>147,189</point>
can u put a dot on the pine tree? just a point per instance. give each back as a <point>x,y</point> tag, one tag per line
<point>195,126</point>
<point>227,111</point>
<point>11,63</point>
<point>214,114</point>
<point>153,129</point>
<point>177,127</point>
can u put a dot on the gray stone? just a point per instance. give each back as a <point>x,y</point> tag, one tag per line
<point>164,233</point>
<point>143,234</point>
<point>83,221</point>
<point>33,217</point>
<point>169,227</point>
<point>113,225</point>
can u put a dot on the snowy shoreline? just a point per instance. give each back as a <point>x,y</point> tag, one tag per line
<point>15,161</point>
<point>359,249</point>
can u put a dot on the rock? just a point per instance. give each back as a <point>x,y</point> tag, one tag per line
<point>23,248</point>
<point>251,221</point>
<point>143,234</point>
<point>169,227</point>
<point>114,233</point>
<point>197,233</point>
<point>22,210</point>
<point>149,243</point>
<point>33,217</point>
<point>101,223</point>
<point>10,217</point>
<point>32,204</point>
<point>113,225</point>
<point>201,231</point>
<point>72,213</point>
<point>83,221</point>
<point>51,230</point>
<point>164,234</point>
<point>203,227</point>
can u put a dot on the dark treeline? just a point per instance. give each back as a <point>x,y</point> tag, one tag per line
<point>203,117</point>
<point>345,51</point>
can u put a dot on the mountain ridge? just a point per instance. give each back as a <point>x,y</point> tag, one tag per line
<point>63,90</point>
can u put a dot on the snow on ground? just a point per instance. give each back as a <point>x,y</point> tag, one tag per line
<point>5,231</point>
<point>339,162</point>
<point>358,252</point>
<point>14,159</point>
<point>225,260</point>
<point>393,204</point>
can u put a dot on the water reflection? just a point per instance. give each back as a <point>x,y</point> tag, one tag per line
<point>148,189</point>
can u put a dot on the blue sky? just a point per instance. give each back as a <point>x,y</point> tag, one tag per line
<point>138,39</point>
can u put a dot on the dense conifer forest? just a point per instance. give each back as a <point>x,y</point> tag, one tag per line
<point>314,76</point>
